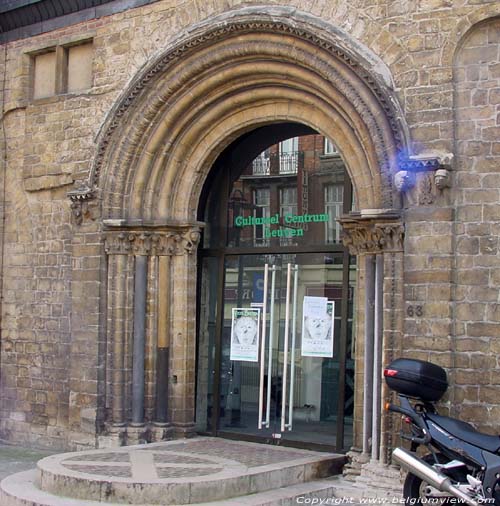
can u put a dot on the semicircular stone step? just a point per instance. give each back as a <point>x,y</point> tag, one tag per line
<point>182,471</point>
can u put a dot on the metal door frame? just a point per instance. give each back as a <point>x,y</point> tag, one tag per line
<point>221,253</point>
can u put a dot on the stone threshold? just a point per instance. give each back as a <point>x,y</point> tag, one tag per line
<point>190,471</point>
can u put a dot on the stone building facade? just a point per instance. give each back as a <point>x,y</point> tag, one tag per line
<point>113,119</point>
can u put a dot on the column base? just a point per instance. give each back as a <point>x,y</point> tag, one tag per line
<point>138,434</point>
<point>114,436</point>
<point>161,432</point>
<point>356,460</point>
<point>387,478</point>
<point>152,432</point>
<point>184,430</point>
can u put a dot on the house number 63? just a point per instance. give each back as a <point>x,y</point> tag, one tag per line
<point>412,311</point>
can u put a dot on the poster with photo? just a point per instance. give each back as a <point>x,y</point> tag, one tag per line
<point>317,327</point>
<point>245,328</point>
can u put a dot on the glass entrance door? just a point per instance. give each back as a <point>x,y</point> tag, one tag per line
<point>285,366</point>
<point>275,293</point>
<point>252,340</point>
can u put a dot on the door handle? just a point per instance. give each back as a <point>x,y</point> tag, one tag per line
<point>285,346</point>
<point>289,425</point>
<point>263,350</point>
<point>270,352</point>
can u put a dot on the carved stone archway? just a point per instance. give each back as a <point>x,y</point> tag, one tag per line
<point>227,76</point>
<point>232,74</point>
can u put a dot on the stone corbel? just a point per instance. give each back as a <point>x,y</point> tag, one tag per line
<point>442,179</point>
<point>428,174</point>
<point>80,200</point>
<point>372,234</point>
<point>410,166</point>
<point>404,180</point>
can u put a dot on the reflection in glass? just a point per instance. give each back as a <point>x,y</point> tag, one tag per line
<point>288,198</point>
<point>291,194</point>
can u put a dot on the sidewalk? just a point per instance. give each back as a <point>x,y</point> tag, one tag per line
<point>16,458</point>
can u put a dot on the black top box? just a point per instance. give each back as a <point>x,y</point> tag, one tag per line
<point>416,378</point>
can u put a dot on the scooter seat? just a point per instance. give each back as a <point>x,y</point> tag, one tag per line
<point>466,432</point>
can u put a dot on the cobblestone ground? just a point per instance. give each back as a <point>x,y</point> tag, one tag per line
<point>17,458</point>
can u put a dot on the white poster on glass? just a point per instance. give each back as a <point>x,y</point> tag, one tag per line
<point>245,334</point>
<point>317,327</point>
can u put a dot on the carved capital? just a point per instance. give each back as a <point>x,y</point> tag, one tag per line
<point>372,235</point>
<point>118,243</point>
<point>152,242</point>
<point>187,241</point>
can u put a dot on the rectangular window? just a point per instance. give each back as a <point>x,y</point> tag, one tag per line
<point>288,156</point>
<point>288,205</point>
<point>329,148</point>
<point>262,209</point>
<point>334,198</point>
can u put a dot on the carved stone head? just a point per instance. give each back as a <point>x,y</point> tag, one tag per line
<point>404,180</point>
<point>442,179</point>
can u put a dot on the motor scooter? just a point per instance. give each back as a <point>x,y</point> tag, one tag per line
<point>460,464</point>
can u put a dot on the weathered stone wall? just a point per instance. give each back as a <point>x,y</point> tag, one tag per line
<point>477,203</point>
<point>451,263</point>
<point>53,324</point>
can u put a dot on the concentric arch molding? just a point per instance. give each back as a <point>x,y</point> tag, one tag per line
<point>287,21</point>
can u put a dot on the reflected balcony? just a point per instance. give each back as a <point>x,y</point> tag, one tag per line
<point>278,164</point>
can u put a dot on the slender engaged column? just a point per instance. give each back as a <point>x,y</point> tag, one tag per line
<point>143,246</point>
<point>183,338</point>
<point>368,355</point>
<point>378,238</point>
<point>117,294</point>
<point>162,365</point>
<point>140,287</point>
<point>377,355</point>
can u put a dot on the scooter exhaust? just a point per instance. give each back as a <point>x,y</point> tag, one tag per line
<point>424,471</point>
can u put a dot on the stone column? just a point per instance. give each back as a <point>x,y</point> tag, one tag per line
<point>172,248</point>
<point>368,366</point>
<point>163,348</point>
<point>116,272</point>
<point>378,364</point>
<point>183,337</point>
<point>117,249</point>
<point>138,356</point>
<point>376,239</point>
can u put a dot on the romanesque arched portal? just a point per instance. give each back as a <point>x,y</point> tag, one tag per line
<point>226,77</point>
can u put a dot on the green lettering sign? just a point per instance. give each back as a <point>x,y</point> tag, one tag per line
<point>289,219</point>
<point>292,223</point>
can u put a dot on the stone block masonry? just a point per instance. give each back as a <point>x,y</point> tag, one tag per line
<point>63,357</point>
